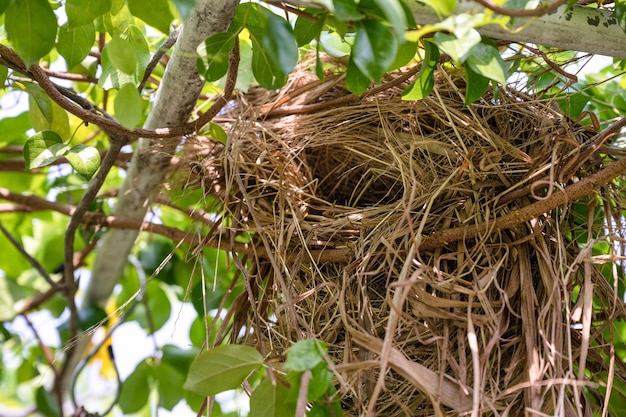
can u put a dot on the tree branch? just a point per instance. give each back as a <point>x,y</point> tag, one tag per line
<point>558,198</point>
<point>539,11</point>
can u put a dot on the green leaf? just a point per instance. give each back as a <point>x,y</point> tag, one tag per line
<point>139,43</point>
<point>82,12</point>
<point>117,20</point>
<point>3,5</point>
<point>185,7</point>
<point>305,30</point>
<point>356,81</point>
<point>128,106</point>
<point>305,354</point>
<point>180,359</point>
<point>159,306</point>
<point>335,45</point>
<point>84,159</point>
<point>442,7</point>
<point>39,100</point>
<point>14,129</point>
<point>31,27</point>
<point>90,317</point>
<point>394,12</point>
<point>46,404</point>
<point>215,131</point>
<point>156,13</point>
<point>267,75</point>
<point>217,49</point>
<point>43,148</point>
<point>170,385</point>
<point>347,11</point>
<point>122,55</point>
<point>268,400</point>
<point>486,60</point>
<point>222,368</point>
<point>75,43</point>
<point>280,44</point>
<point>374,49</point>
<point>425,81</point>
<point>136,389</point>
<point>459,48</point>
<point>476,86</point>
<point>4,73</point>
<point>7,309</point>
<point>406,52</point>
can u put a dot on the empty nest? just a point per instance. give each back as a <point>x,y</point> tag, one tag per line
<point>339,195</point>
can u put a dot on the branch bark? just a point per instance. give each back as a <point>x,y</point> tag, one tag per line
<point>579,28</point>
<point>176,98</point>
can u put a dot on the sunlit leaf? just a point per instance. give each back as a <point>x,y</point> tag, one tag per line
<point>117,20</point>
<point>406,52</point>
<point>138,42</point>
<point>122,55</point>
<point>394,12</point>
<point>43,148</point>
<point>156,13</point>
<point>127,106</point>
<point>82,12</point>
<point>442,7</point>
<point>31,27</point>
<point>486,60</point>
<point>335,45</point>
<point>222,368</point>
<point>84,159</point>
<point>425,81</point>
<point>75,43</point>
<point>458,48</point>
<point>374,49</point>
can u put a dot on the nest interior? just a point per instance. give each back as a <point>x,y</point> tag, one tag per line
<point>341,196</point>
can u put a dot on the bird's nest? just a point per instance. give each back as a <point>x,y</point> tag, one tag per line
<point>346,204</point>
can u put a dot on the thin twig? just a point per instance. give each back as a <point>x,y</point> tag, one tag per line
<point>156,58</point>
<point>34,262</point>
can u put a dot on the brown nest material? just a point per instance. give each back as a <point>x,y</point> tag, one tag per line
<point>342,197</point>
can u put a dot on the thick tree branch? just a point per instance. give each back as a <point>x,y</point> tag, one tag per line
<point>539,11</point>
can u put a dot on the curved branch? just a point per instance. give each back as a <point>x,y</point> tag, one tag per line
<point>558,198</point>
<point>13,61</point>
<point>539,11</point>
